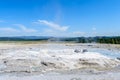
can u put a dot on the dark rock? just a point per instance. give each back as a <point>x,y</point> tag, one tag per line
<point>77,51</point>
<point>80,51</point>
<point>118,58</point>
<point>84,50</point>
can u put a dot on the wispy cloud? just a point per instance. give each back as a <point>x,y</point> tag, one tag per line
<point>78,33</point>
<point>8,29</point>
<point>15,30</point>
<point>94,29</point>
<point>48,31</point>
<point>53,25</point>
<point>25,29</point>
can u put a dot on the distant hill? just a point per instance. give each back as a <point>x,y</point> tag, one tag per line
<point>98,39</point>
<point>24,38</point>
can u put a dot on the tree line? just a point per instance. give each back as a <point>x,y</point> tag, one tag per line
<point>98,39</point>
<point>107,40</point>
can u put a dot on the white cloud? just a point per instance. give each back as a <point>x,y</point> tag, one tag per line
<point>94,29</point>
<point>8,29</point>
<point>18,30</point>
<point>48,31</point>
<point>23,28</point>
<point>78,33</point>
<point>53,25</point>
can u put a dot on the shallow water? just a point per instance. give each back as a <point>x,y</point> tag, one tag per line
<point>109,53</point>
<point>106,52</point>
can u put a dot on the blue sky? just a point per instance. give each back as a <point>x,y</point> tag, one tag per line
<point>59,17</point>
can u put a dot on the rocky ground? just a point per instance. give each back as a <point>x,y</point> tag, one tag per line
<point>59,61</point>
